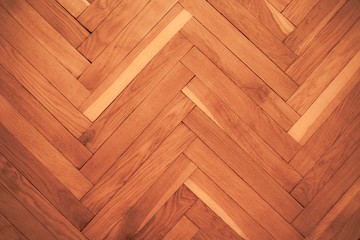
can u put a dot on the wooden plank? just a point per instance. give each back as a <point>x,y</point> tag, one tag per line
<point>42,120</point>
<point>318,17</point>
<point>268,43</point>
<point>42,90</point>
<point>200,235</point>
<point>35,203</point>
<point>209,222</point>
<point>342,180</point>
<point>149,141</point>
<point>241,104</point>
<point>20,217</point>
<point>240,74</point>
<point>338,121</point>
<point>269,16</point>
<point>351,229</point>
<point>297,10</point>
<point>280,4</point>
<point>49,156</point>
<point>242,47</point>
<point>9,231</point>
<point>168,215</point>
<point>183,230</point>
<point>135,93</point>
<point>107,31</point>
<point>326,103</point>
<point>225,207</point>
<point>74,7</point>
<point>46,35</point>
<point>328,164</point>
<point>159,193</point>
<point>131,67</point>
<point>139,183</point>
<point>109,54</point>
<point>41,59</point>
<point>136,123</point>
<point>327,38</point>
<point>39,176</point>
<point>242,134</point>
<point>60,20</point>
<point>336,219</point>
<point>329,68</point>
<point>255,203</point>
<point>97,12</point>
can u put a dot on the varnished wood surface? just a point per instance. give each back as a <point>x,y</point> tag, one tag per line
<point>179,119</point>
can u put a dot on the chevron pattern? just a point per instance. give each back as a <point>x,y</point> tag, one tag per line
<point>179,119</point>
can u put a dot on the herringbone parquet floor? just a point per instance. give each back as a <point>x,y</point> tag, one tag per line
<point>179,119</point>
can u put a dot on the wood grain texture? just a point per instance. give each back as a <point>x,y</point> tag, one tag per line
<point>43,32</point>
<point>179,119</point>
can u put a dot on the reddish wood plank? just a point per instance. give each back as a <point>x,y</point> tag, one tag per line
<point>138,153</point>
<point>296,10</point>
<point>329,36</point>
<point>35,203</point>
<point>241,47</point>
<point>136,123</point>
<point>183,230</point>
<point>168,215</point>
<point>60,20</point>
<point>39,176</point>
<point>268,43</point>
<point>135,93</point>
<point>9,231</point>
<point>240,103</point>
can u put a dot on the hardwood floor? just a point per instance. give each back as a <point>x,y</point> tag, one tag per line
<point>179,119</point>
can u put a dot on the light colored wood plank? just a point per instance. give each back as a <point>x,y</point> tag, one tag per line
<point>39,176</point>
<point>136,123</point>
<point>74,7</point>
<point>135,93</point>
<point>169,214</point>
<point>337,122</point>
<point>97,12</point>
<point>46,35</point>
<point>42,120</point>
<point>326,103</point>
<point>342,180</point>
<point>225,207</point>
<point>327,38</point>
<point>107,31</point>
<point>297,10</point>
<point>241,104</point>
<point>210,223</point>
<point>42,90</point>
<point>241,47</point>
<point>328,164</point>
<point>183,230</point>
<point>35,203</point>
<point>347,49</point>
<point>242,134</point>
<point>159,193</point>
<point>280,4</point>
<point>110,89</point>
<point>49,156</point>
<point>149,141</point>
<point>313,23</point>
<point>9,231</point>
<point>60,20</point>
<point>256,204</point>
<point>240,74</point>
<point>40,58</point>
<point>139,183</point>
<point>20,217</point>
<point>336,219</point>
<point>268,43</point>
